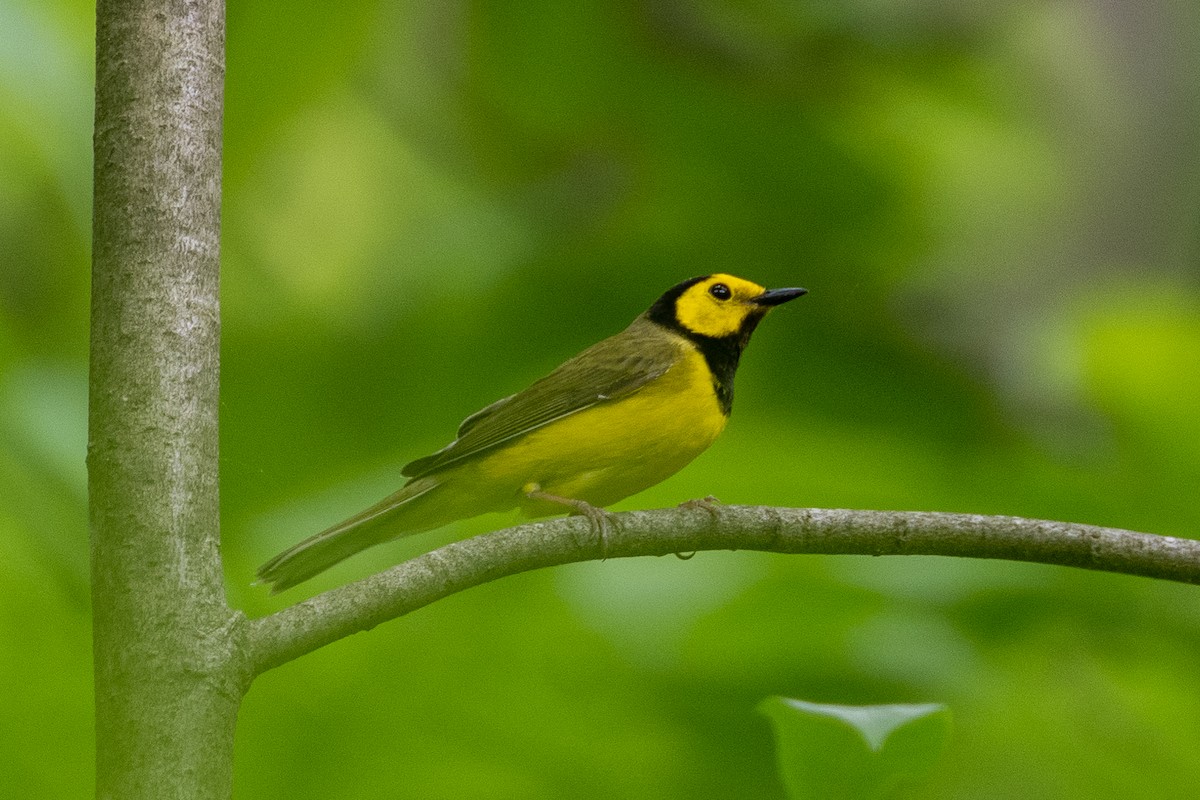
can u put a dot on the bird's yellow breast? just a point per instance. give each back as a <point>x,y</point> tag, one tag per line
<point>613,449</point>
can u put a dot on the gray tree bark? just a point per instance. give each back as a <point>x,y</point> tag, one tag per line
<point>166,645</point>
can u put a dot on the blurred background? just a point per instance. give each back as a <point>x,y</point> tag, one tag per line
<point>995,207</point>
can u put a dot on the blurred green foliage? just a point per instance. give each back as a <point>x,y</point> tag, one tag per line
<point>429,204</point>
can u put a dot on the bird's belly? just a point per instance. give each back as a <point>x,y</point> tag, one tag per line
<point>612,450</point>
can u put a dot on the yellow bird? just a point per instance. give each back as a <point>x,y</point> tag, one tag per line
<point>623,415</point>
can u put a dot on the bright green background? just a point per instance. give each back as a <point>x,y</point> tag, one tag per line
<point>996,207</point>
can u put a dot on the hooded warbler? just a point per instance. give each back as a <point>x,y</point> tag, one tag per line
<point>621,416</point>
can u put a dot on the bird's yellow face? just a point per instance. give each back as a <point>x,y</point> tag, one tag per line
<point>719,305</point>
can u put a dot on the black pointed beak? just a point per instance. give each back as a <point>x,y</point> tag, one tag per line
<point>776,297</point>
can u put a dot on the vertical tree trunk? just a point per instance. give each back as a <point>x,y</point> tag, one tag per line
<point>168,654</point>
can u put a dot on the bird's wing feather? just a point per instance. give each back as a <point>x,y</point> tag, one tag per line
<point>607,371</point>
<point>470,421</point>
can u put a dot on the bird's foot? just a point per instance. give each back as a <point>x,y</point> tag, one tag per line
<point>601,520</point>
<point>708,503</point>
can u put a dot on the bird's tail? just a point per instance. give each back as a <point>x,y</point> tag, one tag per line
<point>383,521</point>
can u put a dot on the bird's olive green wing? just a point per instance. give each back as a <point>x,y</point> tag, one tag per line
<point>607,371</point>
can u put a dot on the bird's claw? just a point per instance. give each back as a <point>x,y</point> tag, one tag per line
<point>707,503</point>
<point>602,521</point>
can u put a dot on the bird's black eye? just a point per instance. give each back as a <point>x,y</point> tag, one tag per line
<point>720,291</point>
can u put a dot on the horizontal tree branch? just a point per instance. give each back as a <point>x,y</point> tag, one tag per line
<point>306,626</point>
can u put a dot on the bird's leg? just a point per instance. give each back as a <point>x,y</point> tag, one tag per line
<point>600,519</point>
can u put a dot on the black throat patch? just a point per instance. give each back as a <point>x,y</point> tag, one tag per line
<point>722,356</point>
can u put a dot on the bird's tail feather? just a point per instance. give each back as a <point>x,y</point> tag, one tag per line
<point>379,523</point>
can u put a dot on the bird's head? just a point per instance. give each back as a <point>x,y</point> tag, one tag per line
<point>718,306</point>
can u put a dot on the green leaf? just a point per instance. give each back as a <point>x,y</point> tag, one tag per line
<point>855,752</point>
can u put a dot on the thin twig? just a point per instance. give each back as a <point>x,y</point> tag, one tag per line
<point>306,626</point>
